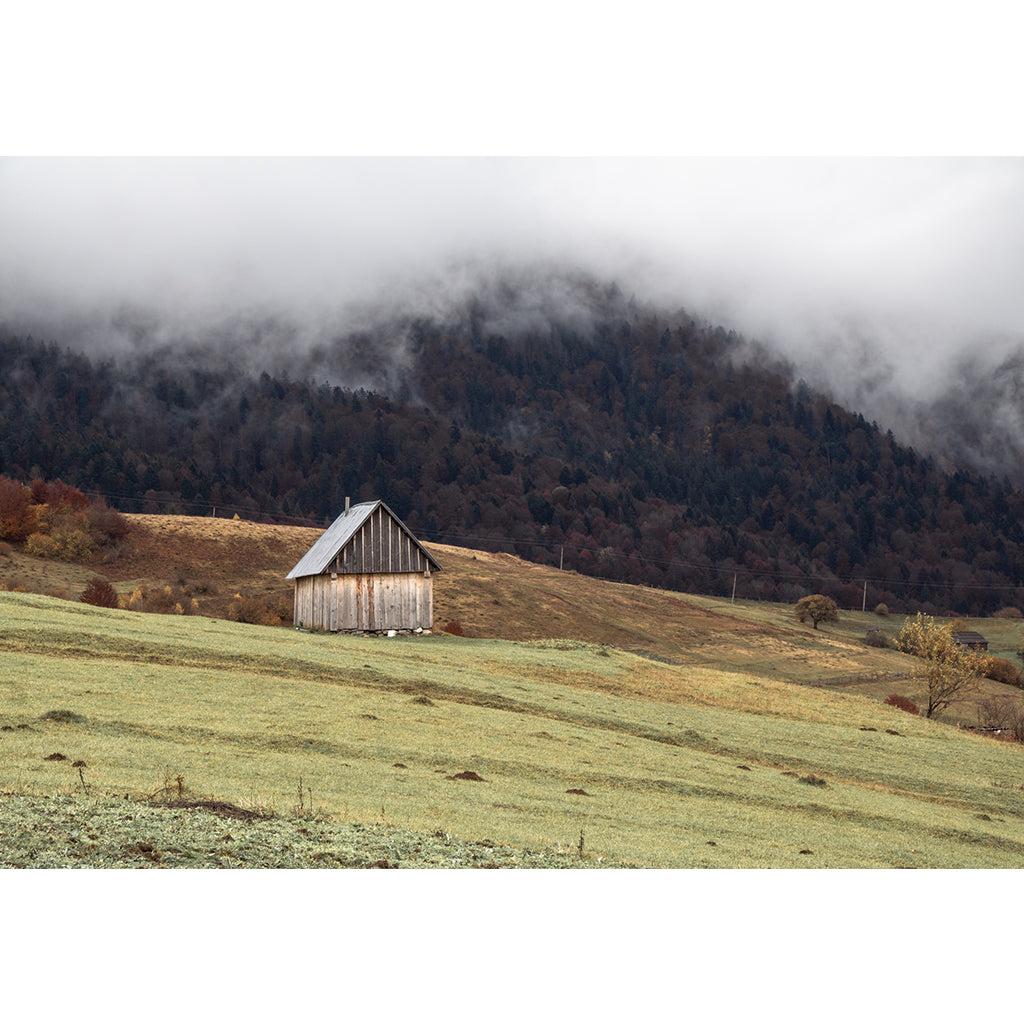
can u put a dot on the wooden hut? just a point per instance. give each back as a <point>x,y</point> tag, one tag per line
<point>971,640</point>
<point>367,572</point>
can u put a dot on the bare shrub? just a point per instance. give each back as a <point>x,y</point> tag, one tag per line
<point>161,600</point>
<point>106,524</point>
<point>99,592</point>
<point>1016,721</point>
<point>253,610</point>
<point>114,551</point>
<point>999,713</point>
<point>903,703</point>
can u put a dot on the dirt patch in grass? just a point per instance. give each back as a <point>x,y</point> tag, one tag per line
<point>69,717</point>
<point>813,780</point>
<point>225,810</point>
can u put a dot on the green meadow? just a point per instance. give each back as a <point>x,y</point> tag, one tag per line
<point>640,761</point>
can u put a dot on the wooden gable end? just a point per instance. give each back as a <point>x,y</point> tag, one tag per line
<point>380,545</point>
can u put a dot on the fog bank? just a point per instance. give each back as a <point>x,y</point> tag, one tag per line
<point>879,278</point>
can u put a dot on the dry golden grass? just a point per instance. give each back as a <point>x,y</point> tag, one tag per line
<point>503,597</point>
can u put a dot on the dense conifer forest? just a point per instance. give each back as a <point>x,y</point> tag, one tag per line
<point>635,446</point>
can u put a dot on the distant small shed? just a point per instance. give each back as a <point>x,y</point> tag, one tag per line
<point>971,640</point>
<point>367,572</point>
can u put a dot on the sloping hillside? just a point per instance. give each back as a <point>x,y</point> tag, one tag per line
<point>212,560</point>
<point>488,595</point>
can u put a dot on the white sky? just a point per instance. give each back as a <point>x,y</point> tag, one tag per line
<point>793,230</point>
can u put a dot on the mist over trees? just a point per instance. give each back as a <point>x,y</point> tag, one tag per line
<point>621,443</point>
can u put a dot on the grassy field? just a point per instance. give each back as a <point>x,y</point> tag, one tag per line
<point>653,763</point>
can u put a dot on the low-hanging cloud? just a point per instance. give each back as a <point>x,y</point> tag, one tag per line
<point>874,276</point>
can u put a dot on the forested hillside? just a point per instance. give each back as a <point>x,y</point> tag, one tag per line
<point>629,445</point>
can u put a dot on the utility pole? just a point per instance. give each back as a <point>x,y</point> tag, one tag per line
<point>733,599</point>
<point>864,603</point>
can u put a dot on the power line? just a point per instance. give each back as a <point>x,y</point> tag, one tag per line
<point>744,571</point>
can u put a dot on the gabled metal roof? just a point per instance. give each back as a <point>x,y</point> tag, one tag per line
<point>967,637</point>
<point>339,533</point>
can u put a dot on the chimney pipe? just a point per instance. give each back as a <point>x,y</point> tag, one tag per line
<point>347,500</point>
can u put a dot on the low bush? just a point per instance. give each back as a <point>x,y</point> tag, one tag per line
<point>882,610</point>
<point>106,524</point>
<point>454,628</point>
<point>41,545</point>
<point>253,610</point>
<point>72,545</point>
<point>1008,613</point>
<point>1002,671</point>
<point>877,638</point>
<point>163,600</point>
<point>903,703</point>
<point>99,592</point>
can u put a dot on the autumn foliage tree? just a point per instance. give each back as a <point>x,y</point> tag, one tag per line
<point>17,514</point>
<point>953,672</point>
<point>56,520</point>
<point>817,608</point>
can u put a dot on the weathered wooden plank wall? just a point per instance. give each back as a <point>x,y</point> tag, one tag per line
<point>370,601</point>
